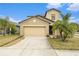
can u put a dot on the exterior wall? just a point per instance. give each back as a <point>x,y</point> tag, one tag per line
<point>49,15</point>
<point>31,22</point>
<point>57,17</point>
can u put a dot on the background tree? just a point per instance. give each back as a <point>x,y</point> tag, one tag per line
<point>7,26</point>
<point>4,25</point>
<point>12,28</point>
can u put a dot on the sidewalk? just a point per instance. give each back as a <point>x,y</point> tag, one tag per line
<point>67,52</point>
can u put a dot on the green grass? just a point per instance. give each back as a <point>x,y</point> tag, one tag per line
<point>69,44</point>
<point>7,38</point>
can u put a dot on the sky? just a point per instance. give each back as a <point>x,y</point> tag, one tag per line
<point>20,11</point>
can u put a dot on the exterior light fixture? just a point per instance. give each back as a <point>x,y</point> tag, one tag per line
<point>34,21</point>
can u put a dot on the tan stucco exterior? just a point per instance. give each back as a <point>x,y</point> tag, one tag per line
<point>49,15</point>
<point>39,25</point>
<point>33,23</point>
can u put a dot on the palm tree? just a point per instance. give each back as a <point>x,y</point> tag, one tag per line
<point>12,28</point>
<point>4,25</point>
<point>65,27</point>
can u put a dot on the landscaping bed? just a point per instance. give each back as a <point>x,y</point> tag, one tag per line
<point>69,44</point>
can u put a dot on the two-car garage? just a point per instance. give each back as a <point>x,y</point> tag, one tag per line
<point>34,26</point>
<point>35,31</point>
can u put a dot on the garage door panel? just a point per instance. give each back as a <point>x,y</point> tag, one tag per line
<point>34,31</point>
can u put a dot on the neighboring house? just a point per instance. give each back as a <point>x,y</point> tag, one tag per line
<point>40,25</point>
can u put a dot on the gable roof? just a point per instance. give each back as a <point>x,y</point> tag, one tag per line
<point>51,10</point>
<point>45,18</point>
<point>39,17</point>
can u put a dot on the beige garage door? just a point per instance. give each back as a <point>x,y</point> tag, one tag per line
<point>34,31</point>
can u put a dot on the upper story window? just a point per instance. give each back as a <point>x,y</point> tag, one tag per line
<point>53,16</point>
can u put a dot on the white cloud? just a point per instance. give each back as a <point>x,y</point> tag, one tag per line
<point>73,7</point>
<point>13,20</point>
<point>10,19</point>
<point>73,19</point>
<point>54,5</point>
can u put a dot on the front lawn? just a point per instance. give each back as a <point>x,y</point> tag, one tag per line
<point>7,38</point>
<point>69,44</point>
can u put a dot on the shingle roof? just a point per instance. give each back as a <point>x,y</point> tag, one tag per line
<point>39,16</point>
<point>43,17</point>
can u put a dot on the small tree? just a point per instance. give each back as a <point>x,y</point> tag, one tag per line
<point>65,28</point>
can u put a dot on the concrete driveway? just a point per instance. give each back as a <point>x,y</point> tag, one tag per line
<point>30,46</point>
<point>35,46</point>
